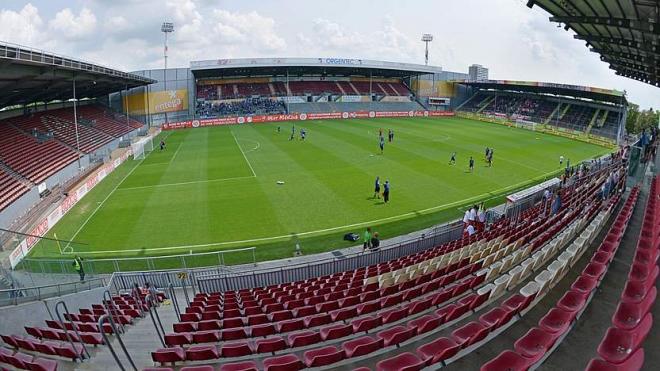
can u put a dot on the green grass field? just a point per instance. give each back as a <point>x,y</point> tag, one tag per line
<point>216,188</point>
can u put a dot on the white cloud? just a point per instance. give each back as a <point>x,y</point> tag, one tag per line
<point>116,24</point>
<point>22,27</point>
<point>71,26</point>
<point>250,29</point>
<point>332,38</point>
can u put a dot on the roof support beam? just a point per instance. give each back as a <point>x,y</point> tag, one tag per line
<point>633,57</point>
<point>649,48</point>
<point>641,26</point>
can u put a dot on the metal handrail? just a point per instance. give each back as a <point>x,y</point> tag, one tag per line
<point>175,301</point>
<point>111,308</point>
<point>150,260</point>
<point>155,318</point>
<point>60,286</point>
<point>108,318</point>
<point>66,331</point>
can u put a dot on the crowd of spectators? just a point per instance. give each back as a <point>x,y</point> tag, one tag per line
<point>249,106</point>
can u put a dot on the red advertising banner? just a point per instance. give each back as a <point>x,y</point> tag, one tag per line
<point>301,117</point>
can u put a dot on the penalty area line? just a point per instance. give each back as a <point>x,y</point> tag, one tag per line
<point>185,183</point>
<point>243,153</point>
<point>102,203</point>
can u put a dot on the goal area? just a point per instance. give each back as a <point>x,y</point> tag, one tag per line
<point>142,147</point>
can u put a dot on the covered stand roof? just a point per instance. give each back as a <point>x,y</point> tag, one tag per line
<point>255,67</point>
<point>576,91</point>
<point>626,33</point>
<point>28,76</point>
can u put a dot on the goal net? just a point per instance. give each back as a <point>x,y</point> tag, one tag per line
<point>142,147</point>
<point>524,124</point>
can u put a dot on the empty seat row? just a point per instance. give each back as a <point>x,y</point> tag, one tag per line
<point>631,322</point>
<point>536,344</point>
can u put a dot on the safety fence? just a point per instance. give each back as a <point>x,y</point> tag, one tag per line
<point>152,263</point>
<point>21,295</point>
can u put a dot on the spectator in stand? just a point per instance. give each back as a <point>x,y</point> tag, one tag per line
<point>367,239</point>
<point>470,230</point>
<point>375,242</point>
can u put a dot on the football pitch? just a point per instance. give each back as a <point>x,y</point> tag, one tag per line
<point>217,188</point>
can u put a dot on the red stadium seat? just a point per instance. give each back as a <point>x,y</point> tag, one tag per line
<point>303,338</point>
<point>507,360</point>
<point>322,356</point>
<point>402,362</point>
<point>496,317</point>
<point>556,321</point>
<point>535,343</point>
<point>235,349</point>
<point>173,340</point>
<point>200,337</point>
<point>42,364</point>
<point>202,353</point>
<point>361,346</point>
<point>629,315</point>
<point>633,363</point>
<point>572,301</point>
<point>396,335</point>
<point>270,345</point>
<point>335,331</point>
<point>425,323</point>
<point>239,366</point>
<point>469,334</point>
<point>169,355</point>
<point>584,284</point>
<point>287,362</point>
<point>618,344</point>
<point>438,350</point>
<point>365,324</point>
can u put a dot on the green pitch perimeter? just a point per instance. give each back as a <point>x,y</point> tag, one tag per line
<point>216,188</point>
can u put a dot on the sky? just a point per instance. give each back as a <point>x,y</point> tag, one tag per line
<point>513,41</point>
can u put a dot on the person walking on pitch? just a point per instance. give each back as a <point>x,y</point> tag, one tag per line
<point>382,144</point>
<point>452,160</point>
<point>471,164</point>
<point>377,188</point>
<point>386,191</point>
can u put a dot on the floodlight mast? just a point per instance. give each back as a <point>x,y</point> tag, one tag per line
<point>427,38</point>
<point>166,28</point>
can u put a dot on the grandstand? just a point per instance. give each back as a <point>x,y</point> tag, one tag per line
<point>43,147</point>
<point>591,111</point>
<point>313,85</point>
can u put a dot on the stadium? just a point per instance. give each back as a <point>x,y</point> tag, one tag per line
<point>329,212</point>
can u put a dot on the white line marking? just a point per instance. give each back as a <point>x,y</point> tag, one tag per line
<point>255,147</point>
<point>185,183</point>
<point>244,156</point>
<point>108,196</point>
<point>102,202</point>
<point>282,237</point>
<point>176,152</point>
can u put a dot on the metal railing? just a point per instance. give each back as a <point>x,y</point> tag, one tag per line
<point>248,275</point>
<point>26,53</point>
<point>183,261</point>
<point>26,294</point>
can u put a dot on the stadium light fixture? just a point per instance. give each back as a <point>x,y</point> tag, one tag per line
<point>166,28</point>
<point>427,38</point>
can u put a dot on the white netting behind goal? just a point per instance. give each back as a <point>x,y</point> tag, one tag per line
<point>524,124</point>
<point>142,147</point>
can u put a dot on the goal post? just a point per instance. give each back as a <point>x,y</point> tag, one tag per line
<point>524,124</point>
<point>142,147</point>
